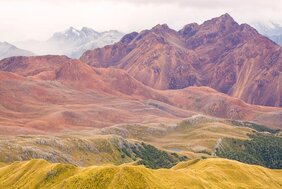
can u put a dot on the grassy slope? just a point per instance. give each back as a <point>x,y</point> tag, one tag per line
<point>77,150</point>
<point>193,137</point>
<point>84,150</point>
<point>209,173</point>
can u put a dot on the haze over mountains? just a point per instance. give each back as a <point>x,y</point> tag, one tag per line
<point>159,98</point>
<point>8,50</point>
<point>72,42</point>
<point>273,31</point>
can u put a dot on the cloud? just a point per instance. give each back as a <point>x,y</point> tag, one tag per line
<point>38,19</point>
<point>274,4</point>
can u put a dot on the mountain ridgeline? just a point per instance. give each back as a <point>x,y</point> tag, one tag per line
<point>210,173</point>
<point>220,53</point>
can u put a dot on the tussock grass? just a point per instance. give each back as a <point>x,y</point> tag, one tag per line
<point>213,173</point>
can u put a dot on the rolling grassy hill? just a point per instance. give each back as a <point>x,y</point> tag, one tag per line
<point>196,136</point>
<point>85,150</point>
<point>212,173</point>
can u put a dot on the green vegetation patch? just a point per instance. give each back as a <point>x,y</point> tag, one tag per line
<point>255,126</point>
<point>261,149</point>
<point>151,157</point>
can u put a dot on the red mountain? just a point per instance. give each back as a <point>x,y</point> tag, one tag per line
<point>231,58</point>
<point>54,93</point>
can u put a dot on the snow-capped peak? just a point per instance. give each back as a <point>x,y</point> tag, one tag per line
<point>88,30</point>
<point>74,35</point>
<point>71,31</point>
<point>73,42</point>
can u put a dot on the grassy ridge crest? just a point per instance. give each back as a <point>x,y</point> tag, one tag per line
<point>208,173</point>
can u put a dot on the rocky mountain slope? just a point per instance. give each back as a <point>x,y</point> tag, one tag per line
<point>231,58</point>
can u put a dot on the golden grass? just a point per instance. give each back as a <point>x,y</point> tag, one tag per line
<point>2,164</point>
<point>213,173</point>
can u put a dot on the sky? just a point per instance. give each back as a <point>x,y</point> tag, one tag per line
<point>39,19</point>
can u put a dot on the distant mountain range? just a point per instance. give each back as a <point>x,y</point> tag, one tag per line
<point>72,42</point>
<point>8,50</point>
<point>273,31</point>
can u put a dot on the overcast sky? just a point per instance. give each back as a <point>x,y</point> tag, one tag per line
<point>39,19</point>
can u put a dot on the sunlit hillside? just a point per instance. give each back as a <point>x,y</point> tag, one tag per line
<point>213,173</point>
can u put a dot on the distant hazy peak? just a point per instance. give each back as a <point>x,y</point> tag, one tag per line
<point>271,30</point>
<point>9,50</point>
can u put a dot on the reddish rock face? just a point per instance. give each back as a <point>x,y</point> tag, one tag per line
<point>231,58</point>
